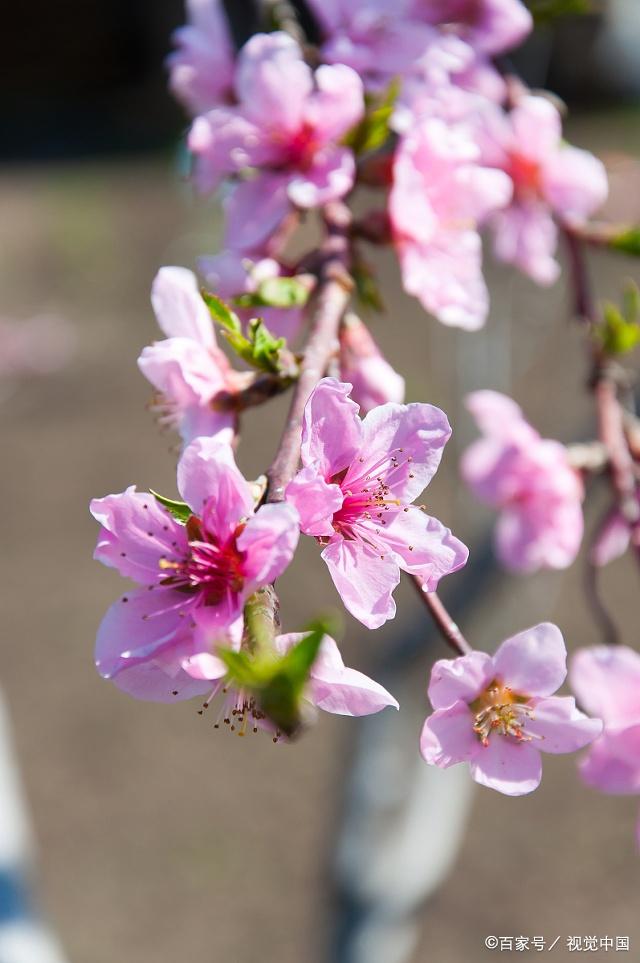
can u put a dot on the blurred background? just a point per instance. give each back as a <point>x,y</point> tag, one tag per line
<point>158,838</point>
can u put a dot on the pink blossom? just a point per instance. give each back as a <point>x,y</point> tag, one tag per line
<point>489,26</point>
<point>332,687</point>
<point>363,365</point>
<point>286,126</point>
<point>529,479</point>
<point>498,712</point>
<point>383,40</point>
<point>551,181</point>
<point>229,274</point>
<point>354,495</point>
<point>187,368</point>
<point>192,580</point>
<point>440,195</point>
<point>201,67</point>
<point>613,539</point>
<point>606,680</point>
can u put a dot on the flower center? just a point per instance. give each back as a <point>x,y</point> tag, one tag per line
<point>525,174</point>
<point>368,493</point>
<point>500,710</point>
<point>238,712</point>
<point>212,568</point>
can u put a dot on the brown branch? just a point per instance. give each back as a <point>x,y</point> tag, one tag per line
<point>611,414</point>
<point>445,624</point>
<point>330,303</point>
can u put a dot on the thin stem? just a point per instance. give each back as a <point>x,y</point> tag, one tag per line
<point>448,629</point>
<point>330,303</point>
<point>611,416</point>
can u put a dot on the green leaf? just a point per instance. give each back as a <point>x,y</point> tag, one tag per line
<point>367,290</point>
<point>631,303</point>
<point>222,313</point>
<point>544,11</point>
<point>179,510</point>
<point>628,242</point>
<point>280,698</point>
<point>373,130</point>
<point>276,293</point>
<point>618,334</point>
<point>277,682</point>
<point>265,348</point>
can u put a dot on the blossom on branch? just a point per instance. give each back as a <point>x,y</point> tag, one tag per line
<point>439,198</point>
<point>187,368</point>
<point>193,579</point>
<point>498,712</point>
<point>606,680</point>
<point>332,687</point>
<point>282,138</point>
<point>552,182</point>
<point>354,495</point>
<point>363,366</point>
<point>530,480</point>
<point>201,66</point>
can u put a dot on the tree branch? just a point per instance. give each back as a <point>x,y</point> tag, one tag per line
<point>330,303</point>
<point>446,626</point>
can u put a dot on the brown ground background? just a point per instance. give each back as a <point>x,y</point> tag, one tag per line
<point>161,840</point>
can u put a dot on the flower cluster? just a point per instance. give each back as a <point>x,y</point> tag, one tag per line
<point>410,98</point>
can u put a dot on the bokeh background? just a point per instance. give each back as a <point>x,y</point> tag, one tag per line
<point>160,839</point>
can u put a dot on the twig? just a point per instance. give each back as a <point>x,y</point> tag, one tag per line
<point>445,624</point>
<point>611,417</point>
<point>331,301</point>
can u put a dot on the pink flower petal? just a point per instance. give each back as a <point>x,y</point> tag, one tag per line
<point>423,546</point>
<point>315,501</point>
<point>606,680</point>
<point>255,210</point>
<point>416,434</point>
<point>612,764</point>
<point>208,476</point>
<point>512,768</point>
<point>182,370</point>
<point>179,307</point>
<point>534,662</point>
<point>448,737</point>
<point>329,177</point>
<point>612,540</point>
<point>364,581</point>
<point>462,678</point>
<point>337,104</point>
<point>526,235</point>
<point>136,534</point>
<point>575,183</point>
<point>150,682</point>
<point>324,445</point>
<point>269,540</point>
<point>273,81</point>
<point>140,626</point>
<point>561,726</point>
<point>204,666</point>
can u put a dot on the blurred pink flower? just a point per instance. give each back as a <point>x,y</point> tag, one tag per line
<point>187,368</point>
<point>550,180</point>
<point>363,365</point>
<point>498,712</point>
<point>489,26</point>
<point>530,480</point>
<point>440,195</point>
<point>354,495</point>
<point>332,687</point>
<point>229,274</point>
<point>193,579</point>
<point>613,539</point>
<point>287,126</point>
<point>606,680</point>
<point>201,67</point>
